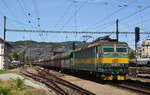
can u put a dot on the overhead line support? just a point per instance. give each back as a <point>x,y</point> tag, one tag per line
<point>71,32</point>
<point>117,29</point>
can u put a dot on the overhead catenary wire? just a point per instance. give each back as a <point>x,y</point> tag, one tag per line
<point>9,10</point>
<point>96,25</point>
<point>128,16</point>
<point>26,17</point>
<point>63,15</point>
<point>73,32</point>
<point>24,12</point>
<point>34,2</point>
<point>42,36</point>
<point>28,11</point>
<point>133,25</point>
<point>36,13</point>
<point>35,8</point>
<point>19,22</point>
<point>75,18</point>
<point>78,9</point>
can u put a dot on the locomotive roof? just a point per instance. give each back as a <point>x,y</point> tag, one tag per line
<point>66,54</point>
<point>100,43</point>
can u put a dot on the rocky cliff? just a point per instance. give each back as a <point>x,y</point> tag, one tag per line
<point>39,50</point>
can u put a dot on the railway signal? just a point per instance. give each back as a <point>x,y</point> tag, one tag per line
<point>137,38</point>
<point>137,34</point>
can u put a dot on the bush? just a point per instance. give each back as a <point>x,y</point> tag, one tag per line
<point>18,84</point>
<point>132,55</point>
<point>5,91</point>
<point>17,57</point>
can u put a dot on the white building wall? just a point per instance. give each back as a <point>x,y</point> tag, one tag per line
<point>1,55</point>
<point>146,48</point>
<point>0,62</point>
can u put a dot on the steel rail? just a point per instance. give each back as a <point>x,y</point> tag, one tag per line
<point>65,83</point>
<point>57,89</point>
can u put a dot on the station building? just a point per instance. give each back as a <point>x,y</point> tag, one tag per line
<point>3,57</point>
<point>145,51</point>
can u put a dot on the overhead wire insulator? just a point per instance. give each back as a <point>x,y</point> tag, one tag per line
<point>75,1</point>
<point>38,18</point>
<point>38,22</point>
<point>38,25</point>
<point>125,5</point>
<point>29,14</point>
<point>105,3</point>
<point>139,6</point>
<point>119,6</point>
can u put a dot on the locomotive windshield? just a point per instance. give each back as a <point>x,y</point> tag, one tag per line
<point>108,48</point>
<point>121,48</point>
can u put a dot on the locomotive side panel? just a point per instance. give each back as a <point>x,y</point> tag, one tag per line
<point>85,59</point>
<point>65,63</point>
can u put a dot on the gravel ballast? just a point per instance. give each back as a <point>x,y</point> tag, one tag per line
<point>98,88</point>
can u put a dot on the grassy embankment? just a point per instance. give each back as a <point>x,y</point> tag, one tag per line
<point>17,87</point>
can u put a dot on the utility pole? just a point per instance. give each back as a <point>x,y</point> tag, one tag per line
<point>6,65</point>
<point>136,52</point>
<point>4,28</point>
<point>117,29</point>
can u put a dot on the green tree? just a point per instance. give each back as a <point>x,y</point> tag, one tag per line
<point>10,56</point>
<point>21,57</point>
<point>15,56</point>
<point>132,55</point>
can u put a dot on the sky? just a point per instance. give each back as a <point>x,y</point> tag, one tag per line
<point>74,15</point>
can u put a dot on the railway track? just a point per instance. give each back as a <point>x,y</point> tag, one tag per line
<point>140,70</point>
<point>144,72</point>
<point>60,86</point>
<point>136,86</point>
<point>144,76</point>
<point>63,87</point>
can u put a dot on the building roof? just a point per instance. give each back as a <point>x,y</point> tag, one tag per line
<point>3,41</point>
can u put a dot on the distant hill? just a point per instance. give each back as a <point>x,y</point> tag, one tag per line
<point>39,50</point>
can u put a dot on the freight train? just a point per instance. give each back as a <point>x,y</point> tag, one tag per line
<point>106,58</point>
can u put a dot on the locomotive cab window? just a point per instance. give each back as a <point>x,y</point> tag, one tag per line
<point>108,48</point>
<point>121,48</point>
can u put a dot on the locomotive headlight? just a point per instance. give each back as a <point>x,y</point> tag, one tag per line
<point>121,70</point>
<point>105,70</point>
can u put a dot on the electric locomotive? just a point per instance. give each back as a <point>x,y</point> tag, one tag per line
<point>106,58</point>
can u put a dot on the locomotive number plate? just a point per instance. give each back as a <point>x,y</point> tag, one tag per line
<point>114,60</point>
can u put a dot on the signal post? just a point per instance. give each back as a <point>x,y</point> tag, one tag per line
<point>137,38</point>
